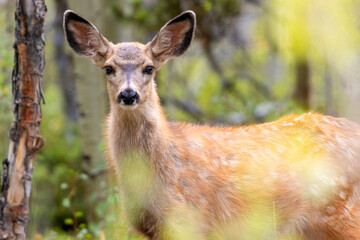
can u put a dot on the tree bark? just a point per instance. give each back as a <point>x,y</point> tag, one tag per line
<point>25,140</point>
<point>329,94</point>
<point>303,83</point>
<point>66,78</point>
<point>91,89</point>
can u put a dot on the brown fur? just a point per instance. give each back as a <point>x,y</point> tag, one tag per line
<point>305,168</point>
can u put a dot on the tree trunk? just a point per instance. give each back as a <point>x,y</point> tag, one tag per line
<point>25,140</point>
<point>329,94</point>
<point>91,87</point>
<point>349,90</point>
<point>302,88</point>
<point>65,75</point>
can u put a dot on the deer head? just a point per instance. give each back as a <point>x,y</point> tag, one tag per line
<point>130,67</point>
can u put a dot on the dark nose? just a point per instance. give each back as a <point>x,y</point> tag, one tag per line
<point>128,96</point>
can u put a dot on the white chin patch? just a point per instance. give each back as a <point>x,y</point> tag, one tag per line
<point>128,107</point>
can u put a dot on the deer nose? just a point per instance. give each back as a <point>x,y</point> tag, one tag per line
<point>128,96</point>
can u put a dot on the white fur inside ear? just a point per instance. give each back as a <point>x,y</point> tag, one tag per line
<point>164,43</point>
<point>174,38</point>
<point>88,39</point>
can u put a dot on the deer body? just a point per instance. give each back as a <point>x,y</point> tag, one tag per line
<point>302,171</point>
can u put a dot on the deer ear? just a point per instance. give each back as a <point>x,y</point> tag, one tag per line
<point>84,37</point>
<point>174,37</point>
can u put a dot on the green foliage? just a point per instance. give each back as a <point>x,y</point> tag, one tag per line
<point>149,15</point>
<point>212,15</point>
<point>322,33</point>
<point>6,62</point>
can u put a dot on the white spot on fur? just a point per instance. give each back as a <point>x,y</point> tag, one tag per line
<point>343,181</point>
<point>336,123</point>
<point>327,120</point>
<point>215,163</point>
<point>223,160</point>
<point>342,195</point>
<point>233,162</point>
<point>280,149</point>
<point>330,209</point>
<point>274,128</point>
<point>203,173</point>
<point>350,203</point>
<point>178,163</point>
<point>299,118</point>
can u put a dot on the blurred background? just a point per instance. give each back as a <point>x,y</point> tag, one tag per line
<point>251,61</point>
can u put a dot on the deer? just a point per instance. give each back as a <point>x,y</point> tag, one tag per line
<point>296,178</point>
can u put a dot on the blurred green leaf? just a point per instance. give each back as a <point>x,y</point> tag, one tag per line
<point>66,202</point>
<point>84,176</point>
<point>64,186</point>
<point>69,221</point>
<point>79,214</point>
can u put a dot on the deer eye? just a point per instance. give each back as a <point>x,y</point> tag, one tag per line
<point>109,70</point>
<point>149,70</point>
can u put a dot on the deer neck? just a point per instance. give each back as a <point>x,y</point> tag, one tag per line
<point>144,128</point>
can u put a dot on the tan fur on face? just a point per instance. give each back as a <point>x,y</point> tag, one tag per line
<point>130,52</point>
<point>129,61</point>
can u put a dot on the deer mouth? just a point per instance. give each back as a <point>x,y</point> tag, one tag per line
<point>129,107</point>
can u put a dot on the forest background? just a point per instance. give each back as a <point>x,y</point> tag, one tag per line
<point>252,61</point>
